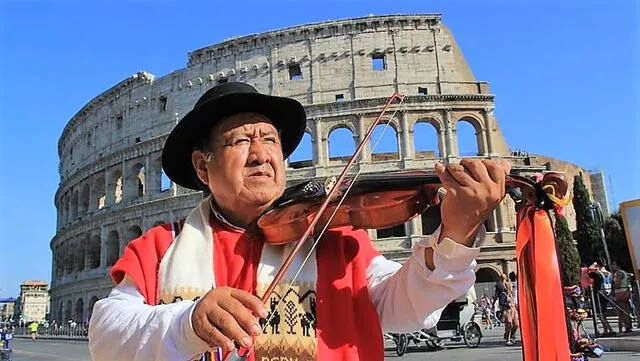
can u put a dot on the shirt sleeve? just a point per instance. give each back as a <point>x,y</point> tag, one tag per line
<point>411,297</point>
<point>124,327</point>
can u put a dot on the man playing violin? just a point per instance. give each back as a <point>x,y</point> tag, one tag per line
<point>190,289</point>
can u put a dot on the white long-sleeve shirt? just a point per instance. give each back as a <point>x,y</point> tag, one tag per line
<point>407,298</point>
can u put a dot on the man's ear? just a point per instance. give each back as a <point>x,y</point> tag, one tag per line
<point>199,162</point>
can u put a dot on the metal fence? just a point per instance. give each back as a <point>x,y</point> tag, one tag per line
<point>64,331</point>
<point>603,304</point>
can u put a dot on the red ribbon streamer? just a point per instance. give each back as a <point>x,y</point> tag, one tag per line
<point>541,302</point>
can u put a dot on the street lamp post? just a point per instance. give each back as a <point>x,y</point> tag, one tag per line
<point>596,215</point>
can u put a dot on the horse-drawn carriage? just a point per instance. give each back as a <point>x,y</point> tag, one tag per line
<point>456,323</point>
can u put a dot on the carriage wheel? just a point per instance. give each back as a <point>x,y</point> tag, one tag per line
<point>471,334</point>
<point>401,344</point>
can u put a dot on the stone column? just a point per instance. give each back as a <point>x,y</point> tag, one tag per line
<point>87,251</point>
<point>486,114</point>
<point>147,173</point>
<point>449,135</point>
<point>483,137</point>
<point>319,145</point>
<point>122,242</point>
<point>407,141</point>
<point>126,179</point>
<point>93,199</point>
<point>109,194</point>
<point>442,149</point>
<point>365,155</point>
<point>103,247</point>
<point>501,225</point>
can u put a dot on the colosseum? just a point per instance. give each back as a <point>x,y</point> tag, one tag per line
<point>112,188</point>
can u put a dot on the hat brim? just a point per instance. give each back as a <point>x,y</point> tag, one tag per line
<point>287,115</point>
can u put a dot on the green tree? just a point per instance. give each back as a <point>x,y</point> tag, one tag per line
<point>569,257</point>
<point>617,241</point>
<point>587,234</point>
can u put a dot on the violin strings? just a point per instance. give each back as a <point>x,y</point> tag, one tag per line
<point>344,196</point>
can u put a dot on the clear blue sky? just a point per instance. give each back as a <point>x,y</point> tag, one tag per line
<point>563,76</point>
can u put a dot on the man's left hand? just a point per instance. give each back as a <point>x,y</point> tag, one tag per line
<point>474,189</point>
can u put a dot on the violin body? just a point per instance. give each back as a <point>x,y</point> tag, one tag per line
<point>375,201</point>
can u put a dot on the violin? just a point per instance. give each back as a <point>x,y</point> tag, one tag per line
<point>376,201</point>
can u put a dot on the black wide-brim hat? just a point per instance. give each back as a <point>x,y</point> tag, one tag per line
<point>287,115</point>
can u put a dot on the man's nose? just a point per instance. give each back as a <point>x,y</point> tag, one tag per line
<point>258,153</point>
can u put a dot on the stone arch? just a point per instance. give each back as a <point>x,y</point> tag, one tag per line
<point>487,274</point>
<point>113,248</point>
<point>132,233</point>
<point>59,259</point>
<point>79,311</point>
<point>388,146</point>
<point>59,313</point>
<point>469,132</point>
<point>68,258</point>
<point>142,185</point>
<point>303,157</point>
<point>100,193</point>
<point>136,180</point>
<point>117,186</point>
<point>74,205</point>
<point>84,199</point>
<point>93,252</point>
<point>342,135</point>
<point>67,312</point>
<point>486,278</point>
<point>339,125</point>
<point>65,208</point>
<point>427,139</point>
<point>79,255</point>
<point>92,303</point>
<point>165,182</point>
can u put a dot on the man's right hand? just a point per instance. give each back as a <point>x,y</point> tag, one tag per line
<point>225,315</point>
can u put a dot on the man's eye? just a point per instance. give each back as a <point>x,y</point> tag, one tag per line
<point>242,140</point>
<point>270,140</point>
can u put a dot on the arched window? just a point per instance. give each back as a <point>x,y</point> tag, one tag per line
<point>468,144</point>
<point>113,248</point>
<point>117,186</point>
<point>99,190</point>
<point>79,314</point>
<point>426,142</point>
<point>341,144</point>
<point>384,143</point>
<point>133,232</point>
<point>79,256</point>
<point>165,182</point>
<point>302,157</point>
<point>94,252</point>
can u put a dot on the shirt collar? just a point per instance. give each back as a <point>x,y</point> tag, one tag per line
<point>216,212</point>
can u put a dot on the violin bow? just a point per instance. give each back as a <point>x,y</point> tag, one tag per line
<point>539,281</point>
<point>242,353</point>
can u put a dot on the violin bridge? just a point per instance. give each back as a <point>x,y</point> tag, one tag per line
<point>329,183</point>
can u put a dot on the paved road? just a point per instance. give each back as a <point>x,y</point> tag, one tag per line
<point>491,349</point>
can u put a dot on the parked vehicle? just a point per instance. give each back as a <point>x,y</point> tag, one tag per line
<point>457,323</point>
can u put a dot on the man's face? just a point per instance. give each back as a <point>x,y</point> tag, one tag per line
<point>247,165</point>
